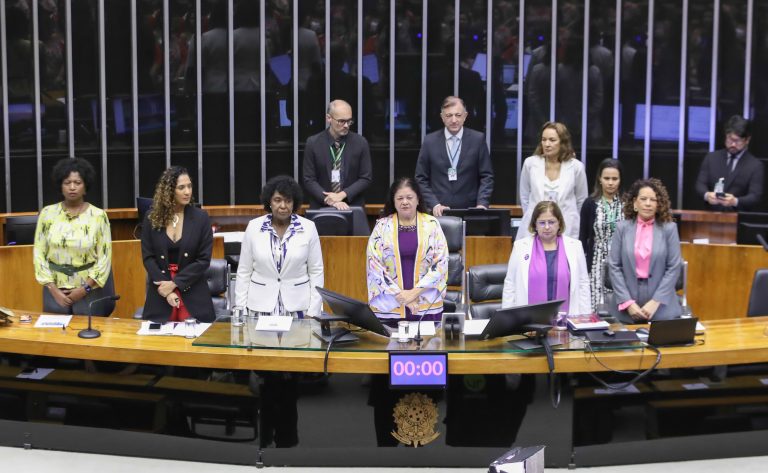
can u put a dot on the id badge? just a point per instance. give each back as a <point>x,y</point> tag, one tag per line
<point>336,175</point>
<point>452,176</point>
<point>552,196</point>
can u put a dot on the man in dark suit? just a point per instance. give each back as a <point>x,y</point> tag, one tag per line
<point>454,167</point>
<point>741,172</point>
<point>337,162</point>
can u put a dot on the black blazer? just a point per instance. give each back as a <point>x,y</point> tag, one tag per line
<point>356,173</point>
<point>194,259</point>
<point>474,183</point>
<point>745,182</point>
<point>586,229</point>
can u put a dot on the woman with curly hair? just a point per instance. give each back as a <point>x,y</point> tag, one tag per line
<point>73,245</point>
<point>281,263</point>
<point>645,261</point>
<point>176,245</point>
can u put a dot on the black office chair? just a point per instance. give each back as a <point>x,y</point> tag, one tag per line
<point>454,230</point>
<point>103,308</point>
<point>603,310</point>
<point>485,284</point>
<point>20,230</point>
<point>758,295</point>
<point>331,222</point>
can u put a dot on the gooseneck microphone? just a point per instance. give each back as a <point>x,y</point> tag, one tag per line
<point>418,338</point>
<point>92,332</point>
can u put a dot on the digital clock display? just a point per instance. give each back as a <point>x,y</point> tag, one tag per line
<point>418,369</point>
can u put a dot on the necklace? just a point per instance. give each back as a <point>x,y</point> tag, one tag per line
<point>72,215</point>
<point>175,220</point>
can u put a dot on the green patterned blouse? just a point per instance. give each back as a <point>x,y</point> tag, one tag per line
<point>77,242</point>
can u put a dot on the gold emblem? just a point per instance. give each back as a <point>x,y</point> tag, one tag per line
<point>416,417</point>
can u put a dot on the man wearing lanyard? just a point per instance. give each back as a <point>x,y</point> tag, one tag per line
<point>454,167</point>
<point>337,162</point>
<point>738,171</point>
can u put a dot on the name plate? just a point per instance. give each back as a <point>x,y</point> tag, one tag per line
<point>274,323</point>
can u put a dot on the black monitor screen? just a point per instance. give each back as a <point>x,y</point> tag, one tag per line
<point>751,224</point>
<point>20,230</point>
<point>358,312</point>
<point>514,320</point>
<point>491,222</point>
<point>143,204</point>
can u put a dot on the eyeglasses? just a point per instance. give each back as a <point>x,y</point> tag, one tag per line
<point>345,122</point>
<point>546,223</point>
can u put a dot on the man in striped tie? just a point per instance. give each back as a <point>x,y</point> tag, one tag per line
<point>337,162</point>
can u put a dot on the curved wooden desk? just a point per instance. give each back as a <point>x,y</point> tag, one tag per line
<point>732,341</point>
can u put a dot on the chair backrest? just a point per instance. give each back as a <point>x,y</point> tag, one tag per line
<point>217,276</point>
<point>453,229</point>
<point>20,230</point>
<point>486,282</point>
<point>331,222</point>
<point>484,310</point>
<point>758,295</point>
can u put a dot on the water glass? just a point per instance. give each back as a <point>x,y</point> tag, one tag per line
<point>402,331</point>
<point>238,316</point>
<point>190,328</point>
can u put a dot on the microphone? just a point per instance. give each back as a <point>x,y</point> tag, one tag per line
<point>92,332</point>
<point>418,338</point>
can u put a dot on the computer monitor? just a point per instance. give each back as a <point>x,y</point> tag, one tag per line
<point>371,68</point>
<point>515,320</point>
<point>751,224</point>
<point>358,312</point>
<point>20,230</point>
<point>665,123</point>
<point>480,64</point>
<point>281,67</point>
<point>331,222</point>
<point>494,222</point>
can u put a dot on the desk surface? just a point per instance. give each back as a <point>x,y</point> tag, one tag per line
<point>730,341</point>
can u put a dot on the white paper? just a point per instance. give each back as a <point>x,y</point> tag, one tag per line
<point>693,386</point>
<point>35,373</point>
<point>764,381</point>
<point>231,237</point>
<point>52,321</point>
<point>274,323</point>
<point>631,389</point>
<point>171,328</point>
<point>427,329</point>
<point>475,327</point>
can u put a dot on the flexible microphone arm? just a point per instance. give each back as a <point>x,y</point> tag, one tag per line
<point>91,332</point>
<point>418,338</point>
<point>762,241</point>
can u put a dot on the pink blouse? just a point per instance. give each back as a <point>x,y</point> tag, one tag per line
<point>643,246</point>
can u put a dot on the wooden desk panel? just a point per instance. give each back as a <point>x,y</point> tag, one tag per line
<point>727,342</point>
<point>20,288</point>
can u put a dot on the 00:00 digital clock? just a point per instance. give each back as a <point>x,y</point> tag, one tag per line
<point>418,369</point>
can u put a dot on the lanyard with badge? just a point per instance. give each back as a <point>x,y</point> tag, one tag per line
<point>452,174</point>
<point>336,161</point>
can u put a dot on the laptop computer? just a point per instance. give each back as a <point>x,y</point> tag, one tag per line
<point>673,332</point>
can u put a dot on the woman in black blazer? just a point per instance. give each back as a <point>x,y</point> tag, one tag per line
<point>176,245</point>
<point>599,216</point>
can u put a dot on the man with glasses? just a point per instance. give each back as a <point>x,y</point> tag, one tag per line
<point>454,167</point>
<point>337,162</point>
<point>739,171</point>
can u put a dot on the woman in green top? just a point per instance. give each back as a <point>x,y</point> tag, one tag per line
<point>73,245</point>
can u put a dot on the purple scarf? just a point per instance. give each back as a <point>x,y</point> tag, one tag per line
<point>537,274</point>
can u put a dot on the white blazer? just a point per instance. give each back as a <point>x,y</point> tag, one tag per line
<point>571,194</point>
<point>516,283</point>
<point>259,283</point>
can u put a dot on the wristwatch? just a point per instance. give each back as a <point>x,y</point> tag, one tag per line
<point>87,287</point>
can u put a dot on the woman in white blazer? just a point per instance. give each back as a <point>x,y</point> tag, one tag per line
<point>281,263</point>
<point>553,173</point>
<point>548,265</point>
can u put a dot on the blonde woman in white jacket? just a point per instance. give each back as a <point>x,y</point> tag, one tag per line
<point>548,265</point>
